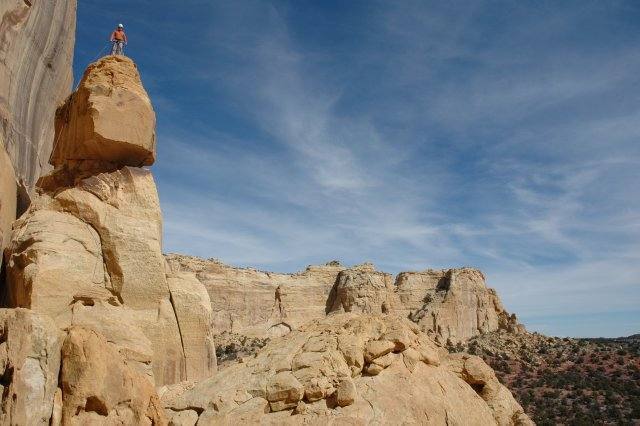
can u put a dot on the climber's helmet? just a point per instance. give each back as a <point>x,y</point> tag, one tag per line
<point>120,26</point>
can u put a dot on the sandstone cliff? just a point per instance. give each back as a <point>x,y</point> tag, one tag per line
<point>450,305</point>
<point>36,52</point>
<point>87,254</point>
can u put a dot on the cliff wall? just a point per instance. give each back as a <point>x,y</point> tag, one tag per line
<point>36,54</point>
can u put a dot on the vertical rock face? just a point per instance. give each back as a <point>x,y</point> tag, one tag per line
<point>8,198</point>
<point>29,365</point>
<point>450,305</point>
<point>36,54</point>
<point>88,252</point>
<point>253,302</point>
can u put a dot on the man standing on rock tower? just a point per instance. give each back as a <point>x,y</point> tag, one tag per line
<point>119,40</point>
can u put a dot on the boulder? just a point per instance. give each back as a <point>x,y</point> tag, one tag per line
<point>108,119</point>
<point>474,371</point>
<point>29,366</point>
<point>307,377</point>
<point>98,387</point>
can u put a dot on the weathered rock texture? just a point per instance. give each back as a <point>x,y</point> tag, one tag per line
<point>8,198</point>
<point>36,55</point>
<point>88,252</point>
<point>98,387</point>
<point>350,369</point>
<point>451,305</point>
<point>29,365</point>
<point>259,303</point>
<point>108,119</point>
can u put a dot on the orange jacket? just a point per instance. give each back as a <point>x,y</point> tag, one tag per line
<point>119,36</point>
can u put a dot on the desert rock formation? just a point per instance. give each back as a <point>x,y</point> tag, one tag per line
<point>89,249</point>
<point>349,369</point>
<point>36,51</point>
<point>257,303</point>
<point>29,365</point>
<point>104,329</point>
<point>450,305</point>
<point>111,89</point>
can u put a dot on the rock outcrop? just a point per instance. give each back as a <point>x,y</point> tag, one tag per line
<point>100,319</point>
<point>451,305</point>
<point>349,369</point>
<point>257,303</point>
<point>29,365</point>
<point>110,114</point>
<point>89,249</point>
<point>98,387</point>
<point>36,54</point>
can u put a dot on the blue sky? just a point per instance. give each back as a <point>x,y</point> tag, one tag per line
<point>413,134</point>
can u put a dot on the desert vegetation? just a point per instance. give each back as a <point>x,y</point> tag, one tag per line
<point>567,381</point>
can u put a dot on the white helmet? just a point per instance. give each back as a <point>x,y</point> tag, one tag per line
<point>120,26</point>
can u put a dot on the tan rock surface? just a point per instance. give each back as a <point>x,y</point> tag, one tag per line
<point>99,243</point>
<point>54,259</point>
<point>452,305</point>
<point>123,207</point>
<point>256,303</point>
<point>109,118</point>
<point>89,249</point>
<point>99,388</point>
<point>482,378</point>
<point>312,375</point>
<point>363,290</point>
<point>192,307</point>
<point>36,56</point>
<point>29,366</point>
<point>8,198</point>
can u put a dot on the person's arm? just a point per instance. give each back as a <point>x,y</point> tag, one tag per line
<point>113,37</point>
<point>125,38</point>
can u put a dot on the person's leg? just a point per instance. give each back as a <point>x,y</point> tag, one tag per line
<point>114,48</point>
<point>120,44</point>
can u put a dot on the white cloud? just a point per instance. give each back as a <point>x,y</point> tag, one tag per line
<point>521,164</point>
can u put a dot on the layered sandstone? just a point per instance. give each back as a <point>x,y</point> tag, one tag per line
<point>451,305</point>
<point>88,251</point>
<point>36,54</point>
<point>257,303</point>
<point>349,369</point>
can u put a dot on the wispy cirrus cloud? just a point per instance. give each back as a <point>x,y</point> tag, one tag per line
<point>412,134</point>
